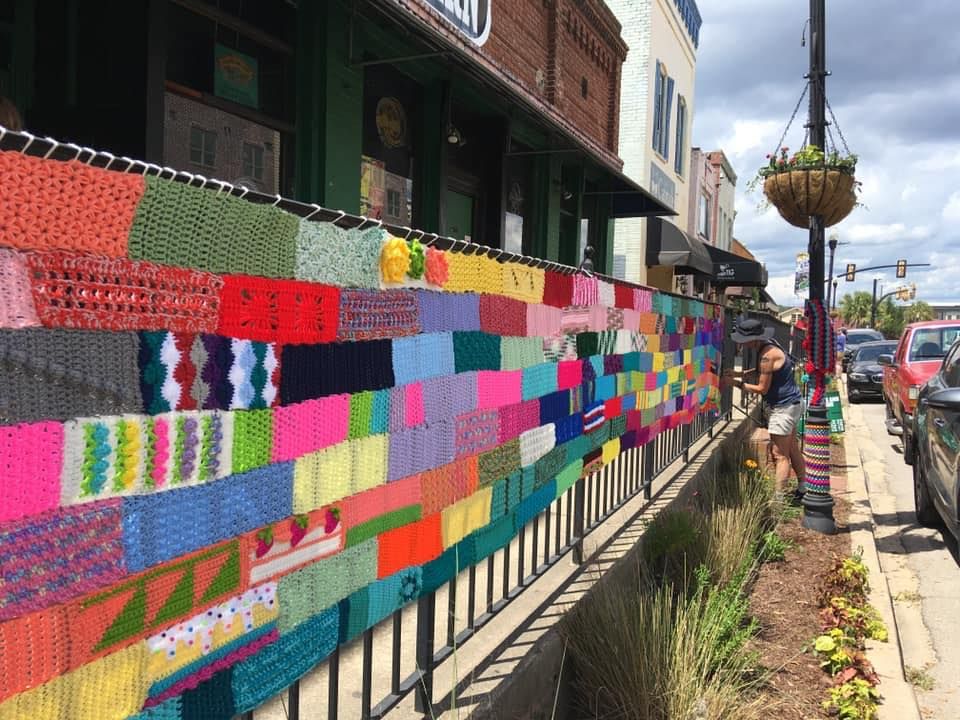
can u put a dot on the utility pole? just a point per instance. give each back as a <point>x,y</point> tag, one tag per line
<point>873,306</point>
<point>817,502</point>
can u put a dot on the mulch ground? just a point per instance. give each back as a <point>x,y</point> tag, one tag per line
<point>783,601</point>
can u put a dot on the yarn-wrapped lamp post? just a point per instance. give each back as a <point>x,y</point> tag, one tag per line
<point>817,502</point>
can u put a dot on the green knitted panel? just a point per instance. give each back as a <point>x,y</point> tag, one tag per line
<point>332,255</point>
<point>476,351</point>
<point>568,476</point>
<point>252,439</point>
<point>517,353</point>
<point>382,523</point>
<point>550,464</point>
<point>618,426</point>
<point>499,462</point>
<point>326,582</point>
<point>176,224</point>
<point>587,344</point>
<point>361,414</point>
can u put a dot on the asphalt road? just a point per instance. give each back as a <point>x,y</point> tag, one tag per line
<point>922,567</point>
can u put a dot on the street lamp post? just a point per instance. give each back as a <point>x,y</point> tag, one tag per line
<point>817,502</point>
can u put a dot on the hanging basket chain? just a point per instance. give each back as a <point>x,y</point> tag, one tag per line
<point>790,122</point>
<point>837,125</point>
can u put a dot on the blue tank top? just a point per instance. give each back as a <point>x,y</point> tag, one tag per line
<point>783,388</point>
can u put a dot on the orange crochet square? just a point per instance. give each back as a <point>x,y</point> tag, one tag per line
<point>413,544</point>
<point>49,205</point>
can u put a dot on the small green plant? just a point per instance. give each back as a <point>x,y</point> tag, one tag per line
<point>835,650</point>
<point>773,548</point>
<point>855,699</point>
<point>846,578</point>
<point>861,621</point>
<point>919,678</point>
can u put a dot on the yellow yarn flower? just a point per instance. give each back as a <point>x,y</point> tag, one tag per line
<point>751,464</point>
<point>394,260</point>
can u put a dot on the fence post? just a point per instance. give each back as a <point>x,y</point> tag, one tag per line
<point>578,510</point>
<point>648,456</point>
<point>426,617</point>
<point>686,434</point>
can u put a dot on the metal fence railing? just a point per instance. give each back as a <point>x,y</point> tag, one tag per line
<point>444,620</point>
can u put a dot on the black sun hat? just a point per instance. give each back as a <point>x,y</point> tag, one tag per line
<point>750,330</point>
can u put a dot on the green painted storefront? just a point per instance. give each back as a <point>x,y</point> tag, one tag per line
<point>138,78</point>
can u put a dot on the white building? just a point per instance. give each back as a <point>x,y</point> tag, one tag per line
<point>656,111</point>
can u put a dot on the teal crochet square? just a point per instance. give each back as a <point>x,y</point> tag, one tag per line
<point>539,380</point>
<point>380,412</point>
<point>476,351</point>
<point>494,536</point>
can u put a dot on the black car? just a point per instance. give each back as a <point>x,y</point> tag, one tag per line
<point>855,338</point>
<point>936,429</point>
<point>864,373</point>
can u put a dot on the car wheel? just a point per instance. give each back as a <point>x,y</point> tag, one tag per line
<point>909,448</point>
<point>926,512</point>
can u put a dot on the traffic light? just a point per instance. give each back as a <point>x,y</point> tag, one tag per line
<point>903,293</point>
<point>913,291</point>
<point>901,268</point>
<point>851,272</point>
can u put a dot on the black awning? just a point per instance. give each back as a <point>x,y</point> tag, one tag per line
<point>628,199</point>
<point>669,245</point>
<point>730,269</point>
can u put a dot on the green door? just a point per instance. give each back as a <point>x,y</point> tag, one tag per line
<point>459,215</point>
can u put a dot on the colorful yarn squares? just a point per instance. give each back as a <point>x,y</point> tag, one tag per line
<point>418,449</point>
<point>517,418</point>
<point>16,309</point>
<point>413,544</point>
<point>476,432</point>
<point>539,380</point>
<point>445,485</point>
<point>377,314</point>
<point>447,397</point>
<point>466,516</point>
<point>447,312</point>
<point>503,316</point>
<point>476,351</point>
<point>517,353</point>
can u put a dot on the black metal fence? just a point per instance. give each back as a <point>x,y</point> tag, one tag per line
<point>442,621</point>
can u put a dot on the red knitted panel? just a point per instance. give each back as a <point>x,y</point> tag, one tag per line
<point>623,295</point>
<point>284,311</point>
<point>47,205</point>
<point>502,315</point>
<point>557,289</point>
<point>83,291</point>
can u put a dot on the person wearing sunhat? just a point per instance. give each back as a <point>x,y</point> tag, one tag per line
<point>777,385</point>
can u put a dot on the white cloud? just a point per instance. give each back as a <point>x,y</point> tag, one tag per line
<point>951,211</point>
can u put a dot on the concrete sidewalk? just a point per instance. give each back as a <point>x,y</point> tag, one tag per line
<point>899,700</point>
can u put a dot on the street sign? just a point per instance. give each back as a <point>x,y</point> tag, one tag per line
<point>851,272</point>
<point>834,411</point>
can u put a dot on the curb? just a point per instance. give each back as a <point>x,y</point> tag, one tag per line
<point>899,699</point>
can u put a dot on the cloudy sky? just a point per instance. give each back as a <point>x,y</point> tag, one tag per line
<point>895,90</point>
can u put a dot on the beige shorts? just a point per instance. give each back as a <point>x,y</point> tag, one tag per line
<point>783,419</point>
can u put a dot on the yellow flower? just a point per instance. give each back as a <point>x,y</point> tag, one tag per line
<point>394,260</point>
<point>752,464</point>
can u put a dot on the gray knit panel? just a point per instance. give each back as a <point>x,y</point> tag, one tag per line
<point>62,374</point>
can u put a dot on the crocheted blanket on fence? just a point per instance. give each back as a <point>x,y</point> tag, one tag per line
<point>232,439</point>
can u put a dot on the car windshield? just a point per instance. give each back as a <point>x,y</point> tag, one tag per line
<point>933,343</point>
<point>872,352</point>
<point>855,338</point>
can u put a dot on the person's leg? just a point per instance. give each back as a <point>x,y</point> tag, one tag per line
<point>782,443</point>
<point>799,466</point>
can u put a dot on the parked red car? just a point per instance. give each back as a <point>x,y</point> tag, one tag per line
<point>919,353</point>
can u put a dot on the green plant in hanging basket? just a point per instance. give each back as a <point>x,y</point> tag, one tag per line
<point>810,182</point>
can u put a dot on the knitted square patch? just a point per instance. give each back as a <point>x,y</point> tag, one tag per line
<point>476,351</point>
<point>94,207</point>
<point>445,312</point>
<point>422,356</point>
<point>502,315</point>
<point>557,289</point>
<point>334,256</point>
<point>283,311</point>
<point>375,314</point>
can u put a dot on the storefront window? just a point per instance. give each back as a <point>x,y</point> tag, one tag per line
<point>386,166</point>
<point>518,223</point>
<point>227,107</point>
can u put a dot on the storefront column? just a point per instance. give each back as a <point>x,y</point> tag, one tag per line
<point>329,109</point>
<point>431,165</point>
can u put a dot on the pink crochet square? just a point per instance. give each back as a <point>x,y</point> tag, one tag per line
<point>569,374</point>
<point>598,318</point>
<point>31,461</point>
<point>16,299</point>
<point>414,402</point>
<point>631,320</point>
<point>543,320</point>
<point>650,381</point>
<point>516,419</point>
<point>496,388</point>
<point>309,426</point>
<point>642,300</point>
<point>586,291</point>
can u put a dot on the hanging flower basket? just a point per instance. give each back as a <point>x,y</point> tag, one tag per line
<point>810,183</point>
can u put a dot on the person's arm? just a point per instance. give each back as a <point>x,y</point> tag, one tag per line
<point>766,375</point>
